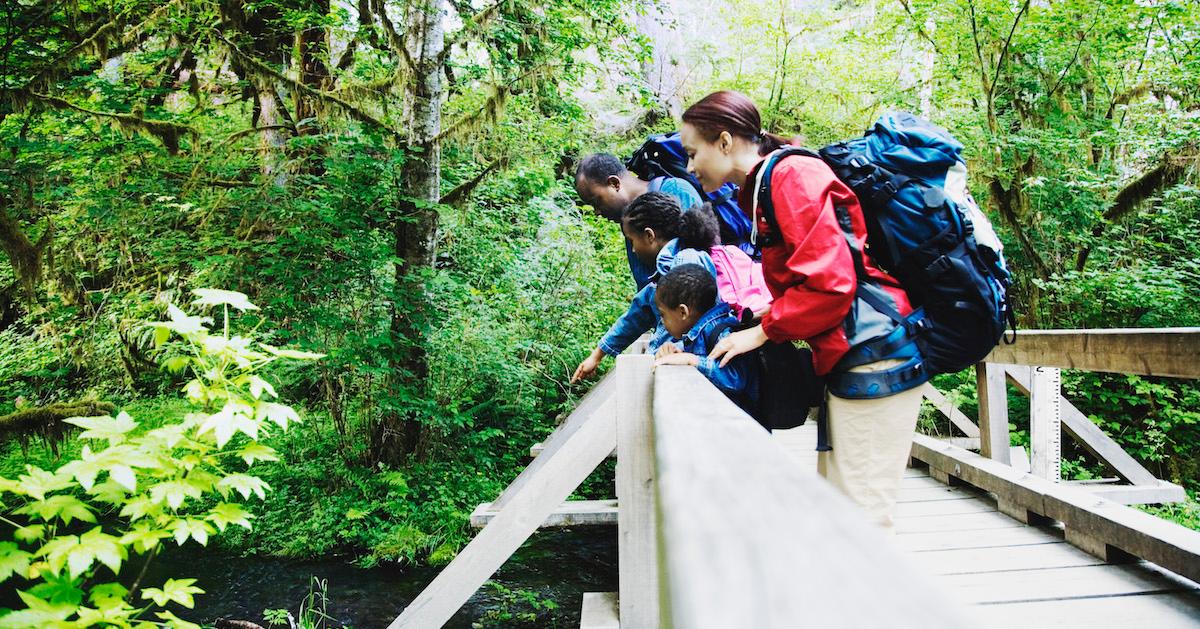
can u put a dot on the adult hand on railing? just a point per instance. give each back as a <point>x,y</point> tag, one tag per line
<point>588,366</point>
<point>738,343</point>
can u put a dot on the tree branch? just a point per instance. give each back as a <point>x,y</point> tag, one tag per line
<point>920,28</point>
<point>462,190</point>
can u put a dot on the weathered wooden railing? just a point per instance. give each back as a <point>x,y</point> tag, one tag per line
<point>1092,514</point>
<point>718,527</point>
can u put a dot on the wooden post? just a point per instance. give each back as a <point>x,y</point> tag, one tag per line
<point>993,412</point>
<point>1045,424</point>
<point>637,546</point>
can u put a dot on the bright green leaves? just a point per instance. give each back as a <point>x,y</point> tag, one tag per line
<point>79,553</point>
<point>61,507</point>
<point>217,297</point>
<point>291,353</point>
<point>111,428</point>
<point>143,537</point>
<point>173,591</point>
<point>159,482</point>
<point>198,530</point>
<point>244,484</point>
<point>233,418</point>
<point>13,560</point>
<point>255,451</point>
<point>174,492</point>
<point>277,413</point>
<point>227,513</point>
<point>38,482</point>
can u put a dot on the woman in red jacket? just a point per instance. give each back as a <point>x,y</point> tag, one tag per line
<point>810,269</point>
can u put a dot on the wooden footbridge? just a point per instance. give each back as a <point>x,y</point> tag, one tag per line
<point>723,525</point>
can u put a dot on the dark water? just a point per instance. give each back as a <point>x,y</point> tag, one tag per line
<point>558,564</point>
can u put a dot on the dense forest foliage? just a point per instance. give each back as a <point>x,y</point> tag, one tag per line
<point>388,181</point>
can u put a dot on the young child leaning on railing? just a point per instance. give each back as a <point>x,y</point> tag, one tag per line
<point>696,319</point>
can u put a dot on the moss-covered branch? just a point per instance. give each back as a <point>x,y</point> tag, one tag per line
<point>48,420</point>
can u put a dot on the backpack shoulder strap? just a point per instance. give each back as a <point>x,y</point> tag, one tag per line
<point>762,194</point>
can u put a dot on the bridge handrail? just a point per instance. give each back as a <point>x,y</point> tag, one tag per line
<point>1171,352</point>
<point>748,538</point>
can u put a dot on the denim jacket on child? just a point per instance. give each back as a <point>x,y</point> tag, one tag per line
<point>642,314</point>
<point>738,380</point>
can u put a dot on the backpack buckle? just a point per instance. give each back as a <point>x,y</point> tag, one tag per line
<point>859,162</point>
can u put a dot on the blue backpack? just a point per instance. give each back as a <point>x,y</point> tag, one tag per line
<point>924,229</point>
<point>663,156</point>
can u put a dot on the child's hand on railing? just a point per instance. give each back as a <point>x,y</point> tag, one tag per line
<point>677,357</point>
<point>588,366</point>
<point>667,348</point>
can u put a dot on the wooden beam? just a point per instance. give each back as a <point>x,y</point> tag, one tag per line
<point>1097,525</point>
<point>569,513</point>
<point>600,398</point>
<point>1171,352</point>
<point>749,539</point>
<point>637,544</point>
<point>536,450</point>
<point>1161,492</point>
<point>536,496</point>
<point>599,611</point>
<point>1088,434</point>
<point>1045,423</point>
<point>949,410</point>
<point>993,412</point>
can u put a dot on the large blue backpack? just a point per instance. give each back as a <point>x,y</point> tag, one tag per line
<point>924,229</point>
<point>663,156</point>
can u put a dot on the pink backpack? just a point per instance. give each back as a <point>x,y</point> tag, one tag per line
<point>740,280</point>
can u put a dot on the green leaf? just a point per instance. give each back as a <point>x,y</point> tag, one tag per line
<point>198,530</point>
<point>29,534</point>
<point>258,386</point>
<point>177,622</point>
<point>111,428</point>
<point>177,364</point>
<point>38,482</point>
<point>217,297</point>
<point>244,484</point>
<point>291,353</point>
<point>227,513</point>
<point>13,560</point>
<point>233,418</point>
<point>144,537</point>
<point>278,413</point>
<point>173,493</point>
<point>255,451</point>
<point>102,547</point>
<point>123,476</point>
<point>107,594</point>
<point>65,508</point>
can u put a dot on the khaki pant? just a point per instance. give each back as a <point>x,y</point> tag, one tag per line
<point>871,441</point>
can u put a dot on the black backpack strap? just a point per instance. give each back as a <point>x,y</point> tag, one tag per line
<point>710,338</point>
<point>763,193</point>
<point>860,269</point>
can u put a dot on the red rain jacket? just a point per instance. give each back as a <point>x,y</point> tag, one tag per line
<point>810,272</point>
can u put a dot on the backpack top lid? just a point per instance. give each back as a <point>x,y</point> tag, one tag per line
<point>902,142</point>
<point>660,155</point>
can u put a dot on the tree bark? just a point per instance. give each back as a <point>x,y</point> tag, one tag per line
<point>415,231</point>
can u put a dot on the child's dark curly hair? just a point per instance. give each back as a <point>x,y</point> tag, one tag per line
<point>689,284</point>
<point>699,229</point>
<point>655,210</point>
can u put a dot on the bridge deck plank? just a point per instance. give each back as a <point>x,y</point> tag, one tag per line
<point>1021,575</point>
